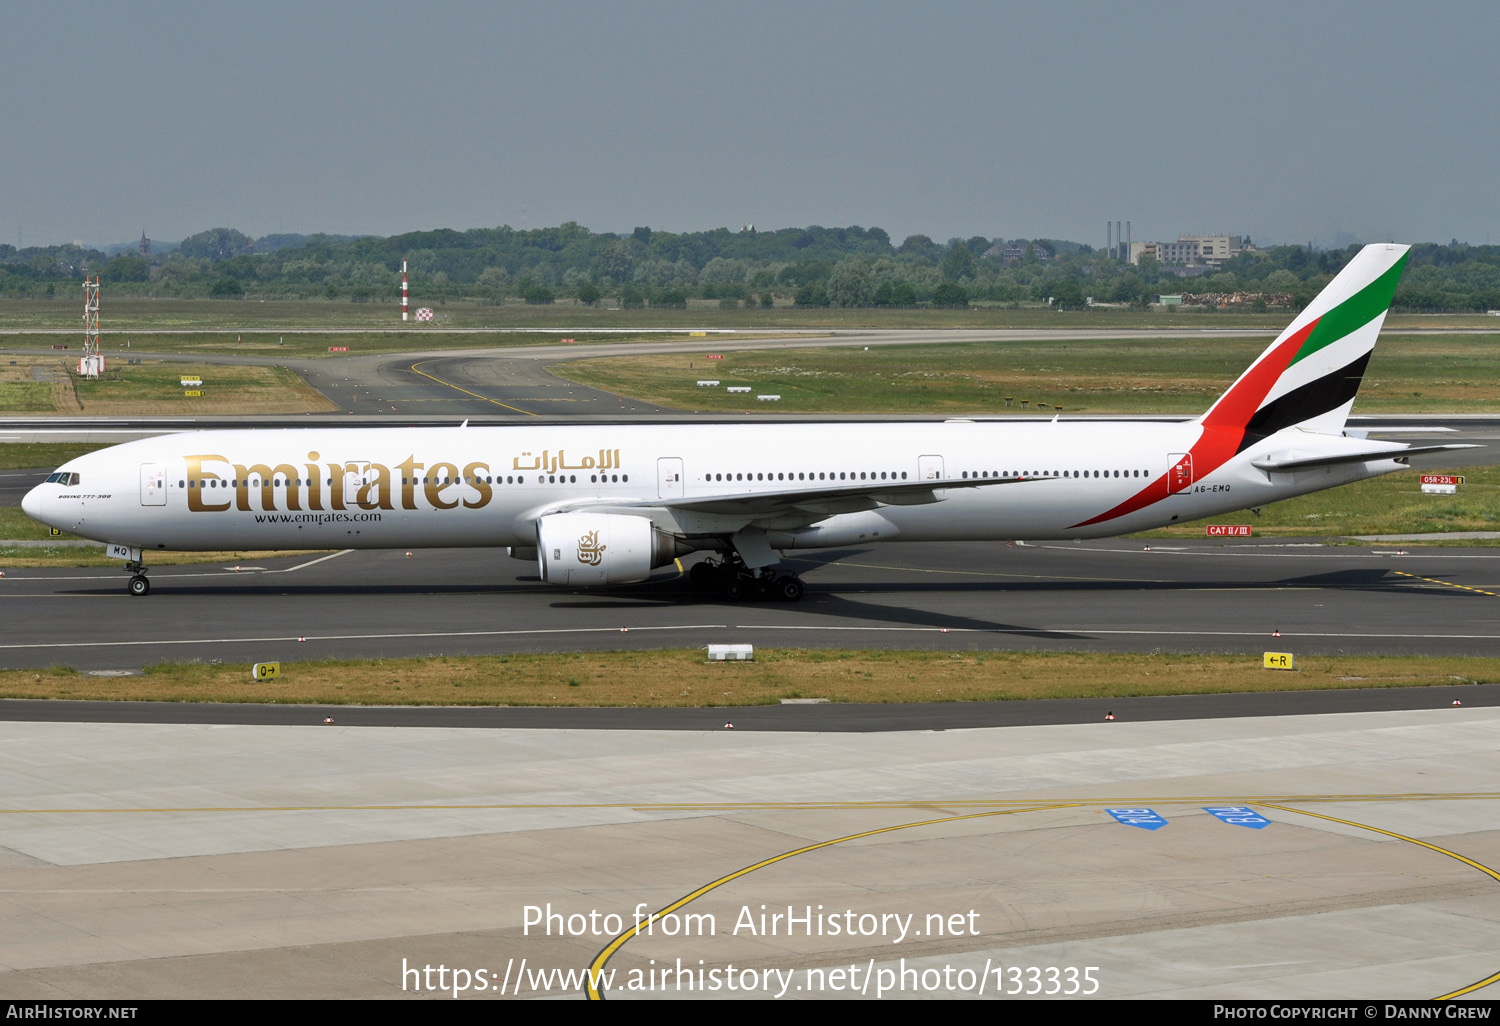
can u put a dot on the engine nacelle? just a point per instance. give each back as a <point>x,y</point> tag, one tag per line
<point>592,549</point>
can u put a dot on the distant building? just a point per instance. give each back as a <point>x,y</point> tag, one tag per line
<point>1015,252</point>
<point>1190,250</point>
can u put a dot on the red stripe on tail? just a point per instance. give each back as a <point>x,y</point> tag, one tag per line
<point>1223,425</point>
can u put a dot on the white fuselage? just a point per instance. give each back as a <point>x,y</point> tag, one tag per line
<point>487,486</point>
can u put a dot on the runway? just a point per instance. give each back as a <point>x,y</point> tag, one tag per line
<point>1121,595</point>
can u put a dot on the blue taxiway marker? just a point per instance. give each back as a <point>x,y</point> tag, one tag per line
<point>1146,819</point>
<point>1238,815</point>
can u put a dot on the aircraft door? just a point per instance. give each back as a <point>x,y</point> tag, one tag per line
<point>1180,477</point>
<point>929,468</point>
<point>669,482</point>
<point>153,484</point>
<point>356,476</point>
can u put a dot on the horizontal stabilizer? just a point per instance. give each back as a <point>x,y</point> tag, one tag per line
<point>1398,429</point>
<point>1368,456</point>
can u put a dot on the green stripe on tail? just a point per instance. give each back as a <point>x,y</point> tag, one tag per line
<point>1355,312</point>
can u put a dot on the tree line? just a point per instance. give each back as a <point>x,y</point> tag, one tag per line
<point>812,266</point>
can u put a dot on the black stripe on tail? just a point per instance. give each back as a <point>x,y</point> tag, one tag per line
<point>1311,400</point>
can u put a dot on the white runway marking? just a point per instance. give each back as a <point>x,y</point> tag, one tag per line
<point>311,562</point>
<point>242,571</point>
<point>1285,638</point>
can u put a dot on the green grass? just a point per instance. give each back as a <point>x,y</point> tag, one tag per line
<point>1393,504</point>
<point>25,397</point>
<point>30,455</point>
<point>152,381</point>
<point>683,678</point>
<point>1408,373</point>
<point>17,526</point>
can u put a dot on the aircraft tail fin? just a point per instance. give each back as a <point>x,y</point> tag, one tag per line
<point>1310,374</point>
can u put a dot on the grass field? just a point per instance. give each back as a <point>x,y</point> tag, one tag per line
<point>681,678</point>
<point>154,388</point>
<point>17,526</point>
<point>1408,373</point>
<point>1393,504</point>
<point>18,456</point>
<point>26,397</point>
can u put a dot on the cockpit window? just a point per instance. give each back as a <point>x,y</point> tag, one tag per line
<point>63,479</point>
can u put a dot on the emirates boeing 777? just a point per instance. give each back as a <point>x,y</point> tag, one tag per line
<point>606,504</point>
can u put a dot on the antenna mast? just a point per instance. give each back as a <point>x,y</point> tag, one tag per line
<point>91,364</point>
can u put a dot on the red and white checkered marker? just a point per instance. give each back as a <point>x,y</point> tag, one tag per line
<point>424,313</point>
<point>1108,716</point>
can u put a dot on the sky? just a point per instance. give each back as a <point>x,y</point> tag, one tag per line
<point>1285,121</point>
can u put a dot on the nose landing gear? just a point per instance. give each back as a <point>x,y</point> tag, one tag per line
<point>139,585</point>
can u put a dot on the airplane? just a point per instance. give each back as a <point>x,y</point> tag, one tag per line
<point>607,504</point>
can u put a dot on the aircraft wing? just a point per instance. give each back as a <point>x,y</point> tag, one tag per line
<point>829,500</point>
<point>813,503</point>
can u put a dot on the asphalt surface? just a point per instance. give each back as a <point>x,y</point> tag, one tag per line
<point>1120,596</point>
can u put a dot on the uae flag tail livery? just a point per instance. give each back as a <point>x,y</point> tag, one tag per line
<point>600,504</point>
<point>1293,401</point>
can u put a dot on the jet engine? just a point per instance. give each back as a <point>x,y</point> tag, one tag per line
<point>592,549</point>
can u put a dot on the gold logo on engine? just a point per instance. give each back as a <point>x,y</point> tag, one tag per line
<point>590,552</point>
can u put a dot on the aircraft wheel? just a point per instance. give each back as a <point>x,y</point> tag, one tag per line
<point>139,585</point>
<point>701,576</point>
<point>788,588</point>
<point>735,588</point>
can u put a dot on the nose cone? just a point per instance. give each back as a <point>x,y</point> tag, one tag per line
<point>31,504</point>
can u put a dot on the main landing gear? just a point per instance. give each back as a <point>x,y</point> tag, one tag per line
<point>736,582</point>
<point>139,585</point>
